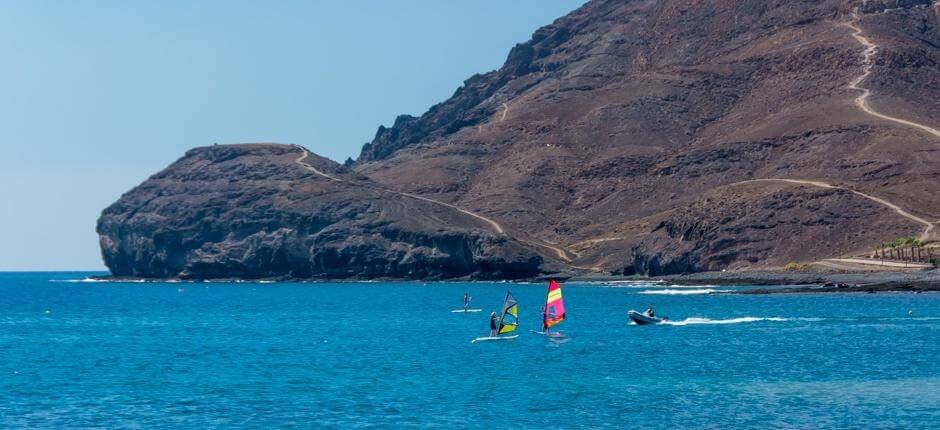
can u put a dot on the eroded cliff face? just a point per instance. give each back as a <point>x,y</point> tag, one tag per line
<point>638,136</point>
<point>253,211</point>
<point>623,115</point>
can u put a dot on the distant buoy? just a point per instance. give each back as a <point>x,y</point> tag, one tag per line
<point>910,312</point>
<point>48,312</point>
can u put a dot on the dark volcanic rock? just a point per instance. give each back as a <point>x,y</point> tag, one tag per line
<point>609,130</point>
<point>250,211</point>
<point>759,225</point>
<point>622,138</point>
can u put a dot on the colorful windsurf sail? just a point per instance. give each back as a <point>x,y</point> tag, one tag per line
<point>509,320</point>
<point>554,311</point>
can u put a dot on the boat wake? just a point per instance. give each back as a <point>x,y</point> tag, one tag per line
<point>684,292</point>
<point>696,321</point>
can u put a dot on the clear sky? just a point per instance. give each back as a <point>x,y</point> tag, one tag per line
<point>95,96</point>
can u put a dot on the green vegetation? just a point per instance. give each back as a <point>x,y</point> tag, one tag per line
<point>903,242</point>
<point>795,267</point>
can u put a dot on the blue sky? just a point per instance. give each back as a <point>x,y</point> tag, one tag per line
<point>95,96</point>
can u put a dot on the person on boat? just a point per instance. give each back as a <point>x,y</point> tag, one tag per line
<point>466,301</point>
<point>493,324</point>
<point>649,312</point>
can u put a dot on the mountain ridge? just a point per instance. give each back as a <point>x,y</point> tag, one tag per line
<point>640,137</point>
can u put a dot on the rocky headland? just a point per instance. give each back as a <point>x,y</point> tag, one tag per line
<point>646,138</point>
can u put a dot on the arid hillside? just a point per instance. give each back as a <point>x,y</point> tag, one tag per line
<point>640,136</point>
<point>631,133</point>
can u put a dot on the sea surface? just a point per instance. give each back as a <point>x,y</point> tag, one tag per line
<point>78,354</point>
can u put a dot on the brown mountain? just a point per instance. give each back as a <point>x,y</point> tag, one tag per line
<point>642,136</point>
<point>266,210</point>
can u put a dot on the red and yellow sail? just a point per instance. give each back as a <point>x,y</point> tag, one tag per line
<point>554,312</point>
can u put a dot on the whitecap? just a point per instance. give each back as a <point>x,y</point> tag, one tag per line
<point>643,281</point>
<point>73,281</point>
<point>684,292</point>
<point>97,280</point>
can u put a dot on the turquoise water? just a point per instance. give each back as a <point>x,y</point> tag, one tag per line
<point>213,355</point>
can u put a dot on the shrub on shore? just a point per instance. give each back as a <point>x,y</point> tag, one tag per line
<point>795,267</point>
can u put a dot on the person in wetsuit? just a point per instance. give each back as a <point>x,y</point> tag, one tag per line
<point>466,301</point>
<point>649,312</point>
<point>493,324</point>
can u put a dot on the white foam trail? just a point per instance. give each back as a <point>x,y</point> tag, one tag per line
<point>684,292</point>
<point>695,320</point>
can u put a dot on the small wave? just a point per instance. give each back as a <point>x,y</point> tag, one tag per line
<point>103,281</point>
<point>638,282</point>
<point>653,284</point>
<point>75,281</point>
<point>684,292</point>
<point>695,320</point>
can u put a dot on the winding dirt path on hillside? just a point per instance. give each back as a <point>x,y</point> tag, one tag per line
<point>925,236</point>
<point>870,49</point>
<point>928,226</point>
<point>869,52</point>
<point>562,254</point>
<point>301,161</point>
<point>594,241</point>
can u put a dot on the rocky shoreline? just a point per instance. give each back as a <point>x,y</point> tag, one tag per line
<point>778,282</point>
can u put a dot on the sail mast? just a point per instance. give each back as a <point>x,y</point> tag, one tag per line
<point>548,290</point>
<point>502,314</point>
<point>511,307</point>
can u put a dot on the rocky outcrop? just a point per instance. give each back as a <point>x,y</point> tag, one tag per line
<point>881,6</point>
<point>251,211</point>
<point>755,225</point>
<point>622,138</point>
<point>479,98</point>
<point>625,114</point>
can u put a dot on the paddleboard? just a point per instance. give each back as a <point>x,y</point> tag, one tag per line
<point>488,338</point>
<point>550,334</point>
<point>463,311</point>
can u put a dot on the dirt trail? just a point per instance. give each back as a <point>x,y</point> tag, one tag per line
<point>870,49</point>
<point>300,160</point>
<point>929,226</point>
<point>925,236</point>
<point>869,52</point>
<point>562,254</point>
<point>593,241</point>
<point>877,262</point>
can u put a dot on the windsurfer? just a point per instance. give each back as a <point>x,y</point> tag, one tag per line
<point>493,324</point>
<point>466,301</point>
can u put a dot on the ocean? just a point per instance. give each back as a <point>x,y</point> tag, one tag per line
<point>79,354</point>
